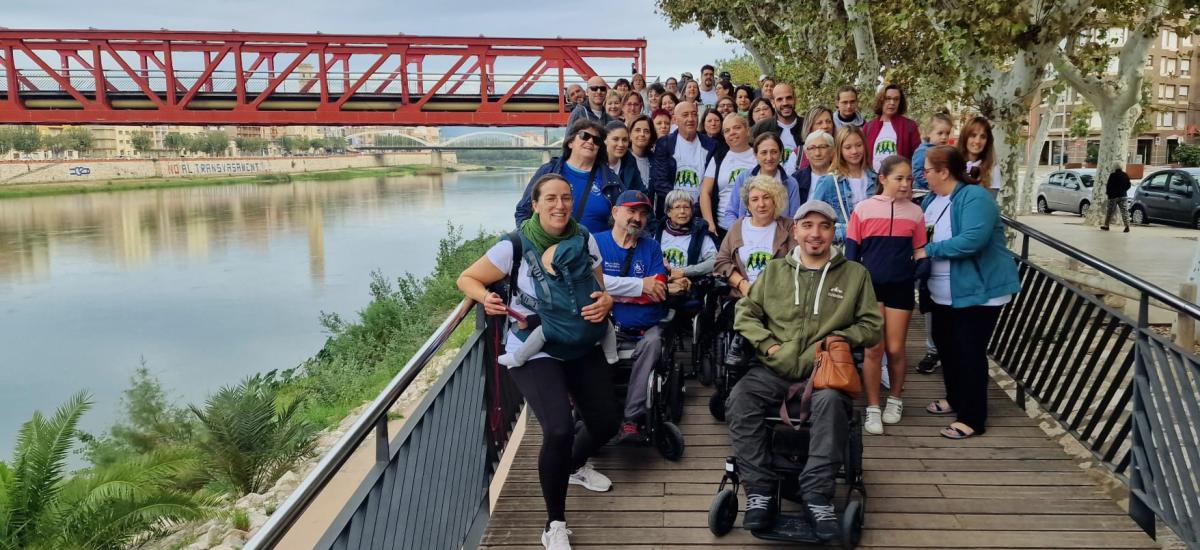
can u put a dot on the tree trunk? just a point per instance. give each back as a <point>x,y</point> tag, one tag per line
<point>1114,149</point>
<point>1026,198</point>
<point>864,44</point>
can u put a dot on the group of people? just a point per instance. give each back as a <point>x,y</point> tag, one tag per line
<point>812,223</point>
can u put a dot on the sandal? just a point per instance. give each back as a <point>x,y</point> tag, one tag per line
<point>939,406</point>
<point>954,432</point>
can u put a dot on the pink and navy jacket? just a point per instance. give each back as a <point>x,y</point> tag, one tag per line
<point>882,235</point>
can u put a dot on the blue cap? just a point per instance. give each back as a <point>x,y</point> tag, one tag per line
<point>634,198</point>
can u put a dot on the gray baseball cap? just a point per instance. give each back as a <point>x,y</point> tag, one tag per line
<point>820,207</point>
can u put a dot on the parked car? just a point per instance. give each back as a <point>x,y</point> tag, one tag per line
<point>1168,196</point>
<point>1067,190</point>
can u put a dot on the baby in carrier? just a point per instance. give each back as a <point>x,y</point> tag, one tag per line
<point>554,280</point>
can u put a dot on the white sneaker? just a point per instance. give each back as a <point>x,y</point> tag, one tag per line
<point>590,479</point>
<point>886,379</point>
<point>555,538</point>
<point>893,410</point>
<point>873,425</point>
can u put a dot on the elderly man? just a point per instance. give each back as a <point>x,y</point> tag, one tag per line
<point>635,275</point>
<point>837,299</point>
<point>679,158</point>
<point>593,109</point>
<point>786,124</point>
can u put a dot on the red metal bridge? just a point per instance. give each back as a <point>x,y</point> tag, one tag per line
<point>179,77</point>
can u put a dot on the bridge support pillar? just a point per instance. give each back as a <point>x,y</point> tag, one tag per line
<point>435,158</point>
<point>545,157</point>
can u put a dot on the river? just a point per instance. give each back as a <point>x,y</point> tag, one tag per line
<point>206,285</point>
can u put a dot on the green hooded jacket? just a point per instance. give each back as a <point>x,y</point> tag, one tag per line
<point>796,307</point>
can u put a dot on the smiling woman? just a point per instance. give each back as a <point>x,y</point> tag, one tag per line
<point>584,165</point>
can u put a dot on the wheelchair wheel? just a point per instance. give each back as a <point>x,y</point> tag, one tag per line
<point>852,523</point>
<point>723,512</point>
<point>716,406</point>
<point>668,439</point>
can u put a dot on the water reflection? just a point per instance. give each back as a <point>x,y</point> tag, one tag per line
<point>209,284</point>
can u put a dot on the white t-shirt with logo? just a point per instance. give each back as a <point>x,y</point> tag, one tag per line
<point>501,256</point>
<point>790,154</point>
<point>758,248</point>
<point>885,145</point>
<point>858,190</point>
<point>689,165</point>
<point>731,167</point>
<point>709,97</point>
<point>938,215</point>
<point>675,249</point>
<point>995,183</point>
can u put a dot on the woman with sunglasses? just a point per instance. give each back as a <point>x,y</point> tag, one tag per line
<point>584,164</point>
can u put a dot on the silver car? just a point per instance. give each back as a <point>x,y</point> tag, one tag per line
<point>1067,190</point>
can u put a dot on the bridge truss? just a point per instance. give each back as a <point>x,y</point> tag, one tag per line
<point>204,78</point>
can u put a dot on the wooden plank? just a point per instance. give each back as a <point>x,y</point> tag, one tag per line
<point>1009,539</point>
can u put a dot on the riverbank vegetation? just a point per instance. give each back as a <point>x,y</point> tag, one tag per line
<point>162,463</point>
<point>41,189</point>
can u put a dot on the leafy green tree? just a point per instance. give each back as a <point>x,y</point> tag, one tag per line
<point>316,143</point>
<point>175,141</point>
<point>249,441</point>
<point>105,508</point>
<point>149,423</point>
<point>26,139</point>
<point>1081,120</point>
<point>251,145</point>
<point>213,143</point>
<point>142,142</point>
<point>77,139</point>
<point>335,143</point>
<point>742,69</point>
<point>56,144</point>
<point>291,144</point>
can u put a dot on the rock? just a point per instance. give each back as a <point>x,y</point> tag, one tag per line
<point>223,547</point>
<point>257,519</point>
<point>215,534</point>
<point>288,478</point>
<point>252,500</point>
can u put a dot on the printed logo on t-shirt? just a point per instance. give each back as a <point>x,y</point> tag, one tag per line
<point>674,257</point>
<point>733,174</point>
<point>787,154</point>
<point>885,148</point>
<point>686,179</point>
<point>756,263</point>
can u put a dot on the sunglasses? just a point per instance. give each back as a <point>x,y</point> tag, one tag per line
<point>598,88</point>
<point>588,136</point>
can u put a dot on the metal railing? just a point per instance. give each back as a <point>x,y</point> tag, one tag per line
<point>428,487</point>
<point>1124,391</point>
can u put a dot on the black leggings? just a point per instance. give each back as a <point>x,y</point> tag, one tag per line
<point>549,385</point>
<point>961,336</point>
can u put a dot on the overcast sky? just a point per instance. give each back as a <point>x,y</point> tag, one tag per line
<point>668,51</point>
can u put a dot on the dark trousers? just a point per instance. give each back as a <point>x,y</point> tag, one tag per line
<point>962,335</point>
<point>758,395</point>
<point>549,385</point>
<point>1116,204</point>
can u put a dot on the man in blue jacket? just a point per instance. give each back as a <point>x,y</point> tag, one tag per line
<point>634,274</point>
<point>679,158</point>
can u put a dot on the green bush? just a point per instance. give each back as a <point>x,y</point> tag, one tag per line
<point>109,507</point>
<point>249,439</point>
<point>1188,155</point>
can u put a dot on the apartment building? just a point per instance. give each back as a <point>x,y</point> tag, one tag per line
<point>1173,83</point>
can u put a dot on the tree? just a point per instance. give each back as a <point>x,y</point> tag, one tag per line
<point>142,142</point>
<point>1081,120</point>
<point>336,143</point>
<point>316,143</point>
<point>1188,155</point>
<point>175,141</point>
<point>1116,98</point>
<point>742,69</point>
<point>77,139</point>
<point>150,423</point>
<point>104,508</point>
<point>291,144</point>
<point>251,144</point>
<point>212,143</point>
<point>26,139</point>
<point>248,441</point>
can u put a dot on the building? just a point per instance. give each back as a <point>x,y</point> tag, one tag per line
<point>1174,98</point>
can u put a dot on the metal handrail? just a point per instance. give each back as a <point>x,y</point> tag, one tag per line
<point>291,509</point>
<point>1141,285</point>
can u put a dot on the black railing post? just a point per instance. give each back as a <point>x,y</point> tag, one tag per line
<point>1024,246</point>
<point>1138,510</point>
<point>382,445</point>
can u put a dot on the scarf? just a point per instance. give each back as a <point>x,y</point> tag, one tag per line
<point>676,230</point>
<point>532,229</point>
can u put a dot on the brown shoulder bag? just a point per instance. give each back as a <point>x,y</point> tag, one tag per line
<point>833,367</point>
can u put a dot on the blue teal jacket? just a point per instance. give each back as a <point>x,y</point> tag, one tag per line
<point>918,166</point>
<point>828,192</point>
<point>981,267</point>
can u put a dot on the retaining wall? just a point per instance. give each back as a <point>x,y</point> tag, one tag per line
<point>85,170</point>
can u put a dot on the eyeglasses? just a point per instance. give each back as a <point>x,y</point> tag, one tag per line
<point>588,136</point>
<point>598,88</point>
<point>816,147</point>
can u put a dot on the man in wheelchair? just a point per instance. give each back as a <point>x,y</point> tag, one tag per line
<point>796,302</point>
<point>635,276</point>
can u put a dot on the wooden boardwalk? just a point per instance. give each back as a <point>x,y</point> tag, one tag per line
<point>1011,488</point>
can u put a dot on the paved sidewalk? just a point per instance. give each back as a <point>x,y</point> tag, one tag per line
<point>1157,253</point>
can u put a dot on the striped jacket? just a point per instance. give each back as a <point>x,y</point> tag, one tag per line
<point>882,234</point>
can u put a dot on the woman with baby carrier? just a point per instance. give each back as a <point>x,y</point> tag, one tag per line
<point>564,371</point>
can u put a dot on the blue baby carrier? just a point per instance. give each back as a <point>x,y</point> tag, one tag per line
<point>559,298</point>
